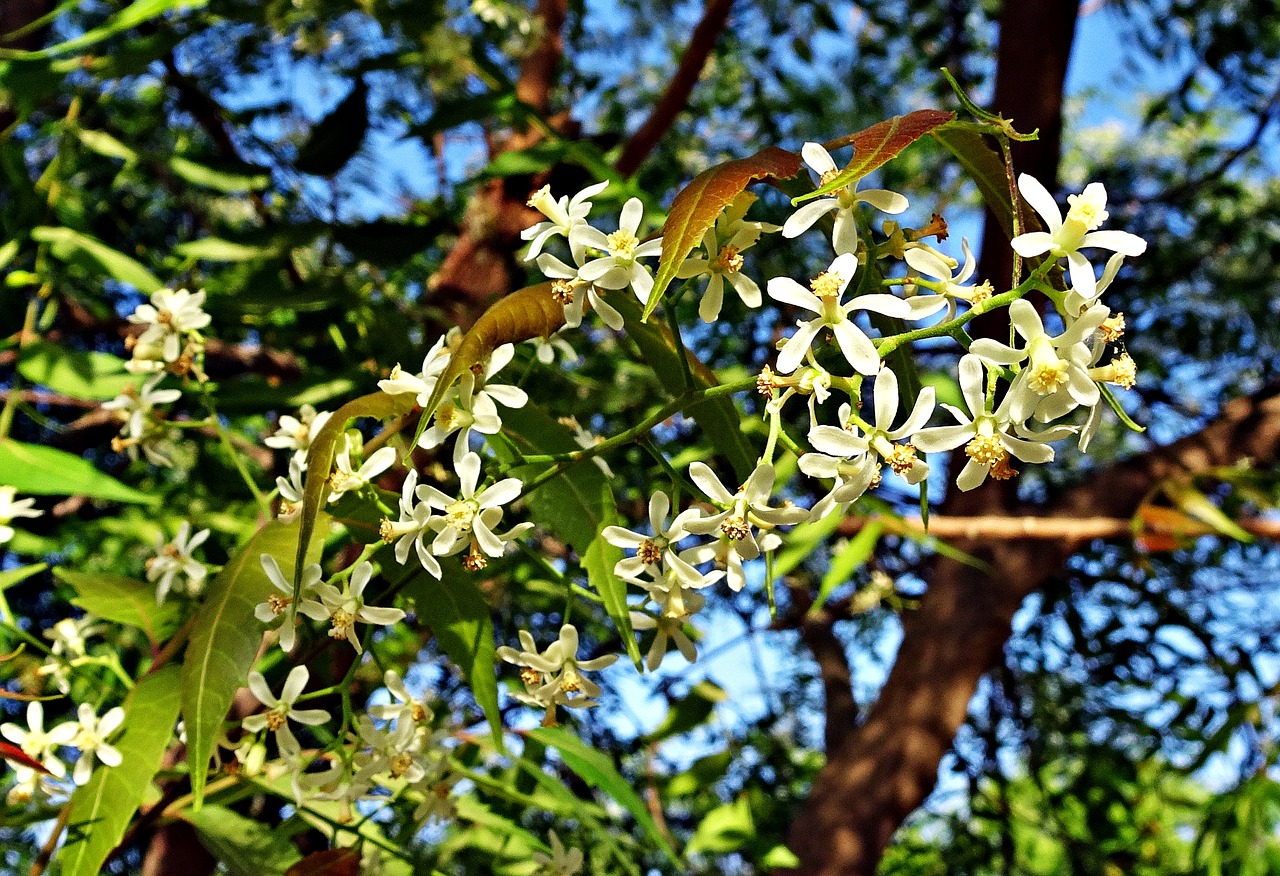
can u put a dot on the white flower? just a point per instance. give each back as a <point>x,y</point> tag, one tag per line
<point>38,744</point>
<point>412,528</point>
<point>280,711</point>
<point>650,548</point>
<point>172,317</point>
<point>545,349</point>
<point>724,243</point>
<point>9,509</point>
<point>175,559</point>
<point>829,286</point>
<point>344,479</point>
<point>669,629</point>
<point>1066,237</point>
<point>619,268</point>
<point>473,405</point>
<point>392,750</point>
<point>563,216</point>
<point>555,676</point>
<point>143,428</point>
<point>404,708</point>
<point>470,517</point>
<point>297,433</point>
<point>68,637</point>
<point>347,606</point>
<point>561,861</point>
<point>91,738</point>
<point>844,202</point>
<point>422,384</point>
<point>292,489</point>
<point>586,440</point>
<point>1056,378</point>
<point>675,585</point>
<point>575,294</point>
<point>988,436</point>
<point>929,263</point>
<point>282,607</point>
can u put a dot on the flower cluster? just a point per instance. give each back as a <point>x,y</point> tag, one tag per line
<point>88,734</point>
<point>170,338</point>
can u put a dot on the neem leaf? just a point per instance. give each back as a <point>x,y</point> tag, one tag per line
<point>458,613</point>
<point>67,245</point>
<point>244,846</point>
<point>853,555</point>
<point>123,600</point>
<point>103,808</point>
<point>877,145</point>
<point>984,165</point>
<point>226,636</point>
<point>697,205</point>
<point>46,471</point>
<point>324,447</point>
<point>83,374</point>
<point>597,770</point>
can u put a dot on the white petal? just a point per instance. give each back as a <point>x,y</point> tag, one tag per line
<point>857,347</point>
<point>1031,244</point>
<point>294,684</point>
<point>788,291</point>
<point>1039,198</point>
<point>817,158</point>
<point>885,201</point>
<point>1117,241</point>
<point>1082,276</point>
<point>802,219</point>
<point>886,398</point>
<point>707,481</point>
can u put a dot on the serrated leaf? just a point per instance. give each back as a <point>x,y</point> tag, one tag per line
<point>854,554</point>
<point>67,245</point>
<point>878,145</point>
<point>102,809</point>
<point>46,471</point>
<point>984,166</point>
<point>244,846</point>
<point>123,600</point>
<point>226,181</point>
<point>718,417</point>
<point>576,505</point>
<point>459,614</point>
<point>226,636</point>
<point>324,447</point>
<point>597,770</point>
<point>695,208</point>
<point>214,249</point>
<point>82,374</point>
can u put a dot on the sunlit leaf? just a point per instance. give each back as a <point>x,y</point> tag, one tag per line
<point>877,145</point>
<point>136,13</point>
<point>81,374</point>
<point>228,182</point>
<point>724,829</point>
<point>123,600</point>
<point>852,556</point>
<point>103,808</point>
<point>46,471</point>
<point>689,711</point>
<point>695,208</point>
<point>213,249</point>
<point>225,639</point>
<point>69,245</point>
<point>244,846</point>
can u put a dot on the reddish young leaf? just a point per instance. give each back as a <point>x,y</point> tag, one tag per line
<point>334,862</point>
<point>16,754</point>
<point>698,204</point>
<point>877,145</point>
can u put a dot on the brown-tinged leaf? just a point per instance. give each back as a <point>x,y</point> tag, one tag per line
<point>698,204</point>
<point>985,167</point>
<point>878,145</point>
<point>324,447</point>
<point>527,313</point>
<point>334,862</point>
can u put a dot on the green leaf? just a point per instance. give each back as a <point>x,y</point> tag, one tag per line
<point>229,182</point>
<point>82,374</point>
<point>984,166</point>
<point>459,614</point>
<point>803,542</point>
<point>781,857</point>
<point>123,600</point>
<point>718,417</point>
<point>106,145</point>
<point>576,505</point>
<point>695,208</point>
<point>9,577</point>
<point>71,246</point>
<point>452,112</point>
<point>878,145</point>
<point>691,710</point>
<point>701,774</point>
<point>45,471</point>
<point>855,552</point>
<point>136,13</point>
<point>595,768</point>
<point>324,446</point>
<point>103,808</point>
<point>225,639</point>
<point>214,249</point>
<point>724,829</point>
<point>244,846</point>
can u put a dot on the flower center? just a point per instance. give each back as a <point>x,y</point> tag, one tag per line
<point>826,285</point>
<point>570,680</point>
<point>828,176</point>
<point>275,719</point>
<point>278,603</point>
<point>1047,378</point>
<point>460,514</point>
<point>735,528</point>
<point>729,261</point>
<point>562,292</point>
<point>400,764</point>
<point>986,450</point>
<point>1002,470</point>
<point>649,551</point>
<point>474,561</point>
<point>1087,209</point>
<point>1112,328</point>
<point>902,458</point>
<point>530,676</point>
<point>342,622</point>
<point>622,244</point>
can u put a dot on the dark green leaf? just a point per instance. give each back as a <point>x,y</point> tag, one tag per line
<point>337,137</point>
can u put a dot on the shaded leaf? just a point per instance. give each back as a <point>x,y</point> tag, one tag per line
<point>225,639</point>
<point>336,137</point>
<point>69,245</point>
<point>102,808</point>
<point>690,711</point>
<point>878,145</point>
<point>695,208</point>
<point>9,577</point>
<point>83,374</point>
<point>136,13</point>
<point>334,862</point>
<point>46,471</point>
<point>597,770</point>
<point>244,846</point>
<point>213,249</point>
<point>123,600</point>
<point>459,614</point>
<point>983,164</point>
<point>724,829</point>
